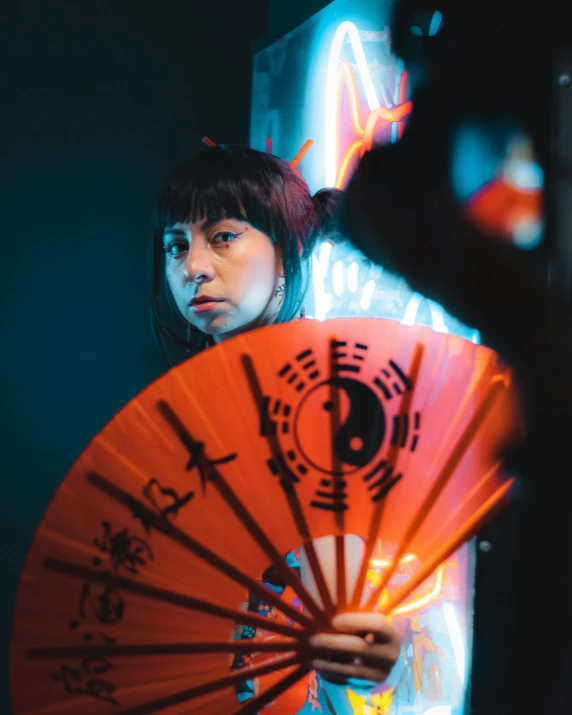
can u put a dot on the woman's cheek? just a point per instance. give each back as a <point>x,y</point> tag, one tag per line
<point>174,283</point>
<point>258,278</point>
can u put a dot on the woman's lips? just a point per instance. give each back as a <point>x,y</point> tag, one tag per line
<point>205,304</point>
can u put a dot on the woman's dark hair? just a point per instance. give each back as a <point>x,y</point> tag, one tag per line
<point>230,181</point>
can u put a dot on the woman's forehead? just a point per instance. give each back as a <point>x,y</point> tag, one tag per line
<point>199,225</point>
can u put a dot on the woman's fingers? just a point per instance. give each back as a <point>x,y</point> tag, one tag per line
<point>366,648</point>
<point>364,624</point>
<point>341,672</point>
<point>350,650</point>
<point>374,628</point>
<point>340,642</point>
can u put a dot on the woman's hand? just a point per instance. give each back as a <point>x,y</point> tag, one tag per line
<point>365,648</point>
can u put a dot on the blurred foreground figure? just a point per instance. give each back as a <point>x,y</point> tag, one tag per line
<point>490,65</point>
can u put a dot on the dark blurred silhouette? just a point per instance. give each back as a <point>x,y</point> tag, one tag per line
<point>489,62</point>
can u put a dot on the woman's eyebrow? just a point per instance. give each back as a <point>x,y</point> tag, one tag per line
<point>174,231</point>
<point>210,222</point>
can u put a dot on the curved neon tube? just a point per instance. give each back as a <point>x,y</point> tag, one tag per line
<point>348,76</point>
<point>424,600</point>
<point>351,152</point>
<point>332,92</point>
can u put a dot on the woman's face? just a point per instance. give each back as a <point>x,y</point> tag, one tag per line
<point>225,275</point>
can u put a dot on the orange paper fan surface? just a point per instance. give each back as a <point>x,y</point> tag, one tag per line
<point>135,586</point>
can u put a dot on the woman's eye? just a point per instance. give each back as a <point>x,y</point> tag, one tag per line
<point>176,248</point>
<point>224,237</point>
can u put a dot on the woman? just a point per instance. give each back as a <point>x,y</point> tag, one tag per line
<point>234,236</point>
<point>254,225</point>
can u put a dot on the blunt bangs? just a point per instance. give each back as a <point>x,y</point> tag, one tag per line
<point>231,182</point>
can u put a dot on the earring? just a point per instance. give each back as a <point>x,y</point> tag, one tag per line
<point>303,312</point>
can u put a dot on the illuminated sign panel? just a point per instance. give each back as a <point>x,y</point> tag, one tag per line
<point>334,80</point>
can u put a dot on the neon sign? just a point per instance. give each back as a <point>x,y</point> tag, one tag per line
<point>365,102</point>
<point>340,74</point>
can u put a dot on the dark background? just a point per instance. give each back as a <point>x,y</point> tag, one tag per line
<point>98,99</point>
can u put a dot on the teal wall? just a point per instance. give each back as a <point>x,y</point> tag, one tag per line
<point>99,100</point>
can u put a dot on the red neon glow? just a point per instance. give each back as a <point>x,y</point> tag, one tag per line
<point>500,207</point>
<point>428,592</point>
<point>376,120</point>
<point>346,161</point>
<point>402,95</point>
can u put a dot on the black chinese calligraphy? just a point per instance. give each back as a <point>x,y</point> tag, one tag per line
<point>107,605</point>
<point>104,603</point>
<point>197,451</point>
<point>85,681</point>
<point>125,551</point>
<point>166,500</point>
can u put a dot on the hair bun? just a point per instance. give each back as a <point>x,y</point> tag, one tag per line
<point>328,203</point>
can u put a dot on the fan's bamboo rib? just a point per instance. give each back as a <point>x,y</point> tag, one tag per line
<point>244,516</point>
<point>341,581</point>
<point>496,386</point>
<point>171,597</point>
<point>355,602</point>
<point>465,532</point>
<point>185,696</point>
<point>138,650</point>
<point>393,454</point>
<point>312,556</point>
<point>285,570</point>
<point>340,551</point>
<point>468,498</point>
<point>293,502</point>
<point>252,706</point>
<point>168,529</point>
<point>440,537</point>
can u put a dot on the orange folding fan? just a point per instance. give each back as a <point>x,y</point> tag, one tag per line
<point>134,588</point>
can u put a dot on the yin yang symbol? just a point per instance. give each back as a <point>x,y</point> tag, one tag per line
<point>360,426</point>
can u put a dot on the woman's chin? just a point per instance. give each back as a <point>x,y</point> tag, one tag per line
<point>220,329</point>
<point>220,333</point>
<point>216,326</point>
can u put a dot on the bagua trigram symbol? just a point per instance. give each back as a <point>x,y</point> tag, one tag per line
<point>360,440</point>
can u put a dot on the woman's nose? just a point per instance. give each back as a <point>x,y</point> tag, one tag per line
<point>198,265</point>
